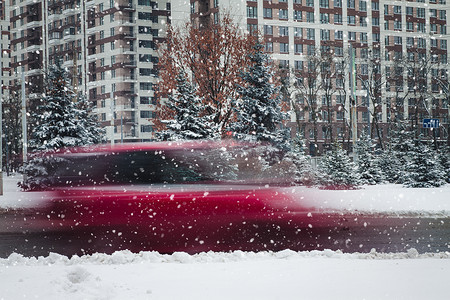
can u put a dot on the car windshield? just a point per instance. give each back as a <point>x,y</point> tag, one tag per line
<point>169,166</point>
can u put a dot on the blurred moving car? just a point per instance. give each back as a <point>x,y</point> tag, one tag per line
<point>167,197</point>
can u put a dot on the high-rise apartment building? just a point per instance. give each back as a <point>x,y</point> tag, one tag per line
<point>109,47</point>
<point>4,47</point>
<point>382,34</point>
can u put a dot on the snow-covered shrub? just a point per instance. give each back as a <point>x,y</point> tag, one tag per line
<point>423,168</point>
<point>338,171</point>
<point>368,168</point>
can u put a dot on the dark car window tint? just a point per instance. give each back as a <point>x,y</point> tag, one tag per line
<point>151,167</point>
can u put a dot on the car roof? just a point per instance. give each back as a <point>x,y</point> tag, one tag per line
<point>149,146</point>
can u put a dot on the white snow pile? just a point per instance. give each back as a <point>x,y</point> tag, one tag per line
<point>127,257</point>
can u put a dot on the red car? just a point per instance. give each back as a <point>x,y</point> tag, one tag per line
<point>192,197</point>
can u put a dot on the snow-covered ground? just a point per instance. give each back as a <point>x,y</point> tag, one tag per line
<point>243,275</point>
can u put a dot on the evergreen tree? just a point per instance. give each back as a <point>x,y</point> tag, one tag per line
<point>402,142</point>
<point>423,168</point>
<point>259,115</point>
<point>388,164</point>
<point>301,169</point>
<point>337,169</point>
<point>187,124</point>
<point>58,123</point>
<point>444,159</point>
<point>368,169</point>
<point>87,123</point>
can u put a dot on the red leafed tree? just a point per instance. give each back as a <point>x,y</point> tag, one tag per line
<point>212,56</point>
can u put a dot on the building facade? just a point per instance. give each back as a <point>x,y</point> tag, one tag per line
<point>4,48</point>
<point>109,48</point>
<point>400,61</point>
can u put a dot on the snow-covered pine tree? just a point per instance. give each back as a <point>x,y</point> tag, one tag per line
<point>187,124</point>
<point>337,169</point>
<point>423,169</point>
<point>388,164</point>
<point>88,123</point>
<point>57,124</point>
<point>259,114</point>
<point>368,169</point>
<point>401,143</point>
<point>302,171</point>
<point>444,159</point>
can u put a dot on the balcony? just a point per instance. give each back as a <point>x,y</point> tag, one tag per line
<point>129,35</point>
<point>91,31</point>
<point>54,41</point>
<point>92,57</point>
<point>33,24</point>
<point>71,11</point>
<point>33,48</point>
<point>31,2</point>
<point>90,3</point>
<point>129,64</point>
<point>128,79</point>
<point>53,17</point>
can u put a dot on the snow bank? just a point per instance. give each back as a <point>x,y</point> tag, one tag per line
<point>127,257</point>
<point>235,275</point>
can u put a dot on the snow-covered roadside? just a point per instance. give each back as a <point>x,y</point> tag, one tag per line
<point>237,275</point>
<point>243,275</point>
<point>383,198</point>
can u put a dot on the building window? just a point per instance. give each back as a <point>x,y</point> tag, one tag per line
<point>398,40</point>
<point>375,21</point>
<point>324,4</point>
<point>324,18</point>
<point>267,13</point>
<point>298,48</point>
<point>409,11</point>
<point>297,15</point>
<point>283,14</point>
<point>421,27</point>
<point>397,25</point>
<point>397,9</point>
<point>337,18</point>
<point>146,128</point>
<point>351,4</point>
<point>375,6</point>
<point>337,3</point>
<point>338,35</point>
<point>297,32</point>
<point>351,20</point>
<point>284,31</point>
<point>351,36</point>
<point>310,17</point>
<point>421,12</point>
<point>145,86</point>
<point>268,29</point>
<point>409,26</point>
<point>310,33</point>
<point>146,114</point>
<point>362,5</point>
<point>252,12</point>
<point>324,35</point>
<point>363,37</point>
<point>269,47</point>
<point>284,64</point>
<point>376,37</point>
<point>284,47</point>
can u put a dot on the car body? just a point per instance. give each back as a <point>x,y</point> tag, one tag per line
<point>173,196</point>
